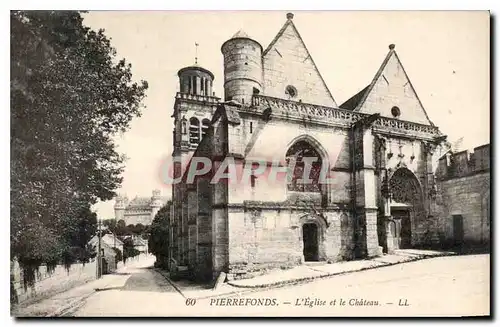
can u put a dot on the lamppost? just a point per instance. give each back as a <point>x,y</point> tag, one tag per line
<point>99,252</point>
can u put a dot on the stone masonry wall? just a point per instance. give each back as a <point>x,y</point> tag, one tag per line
<point>289,63</point>
<point>262,239</point>
<point>468,196</point>
<point>47,284</point>
<point>463,188</point>
<point>393,89</point>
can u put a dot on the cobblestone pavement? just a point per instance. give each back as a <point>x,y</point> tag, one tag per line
<point>449,286</point>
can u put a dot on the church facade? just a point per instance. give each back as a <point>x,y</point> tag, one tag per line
<point>379,148</point>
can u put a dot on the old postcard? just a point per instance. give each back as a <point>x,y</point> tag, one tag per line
<point>250,163</point>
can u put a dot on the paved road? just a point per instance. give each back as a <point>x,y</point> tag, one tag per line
<point>142,292</point>
<point>440,286</point>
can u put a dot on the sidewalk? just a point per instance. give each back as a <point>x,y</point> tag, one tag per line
<point>61,303</point>
<point>311,271</point>
<point>303,273</point>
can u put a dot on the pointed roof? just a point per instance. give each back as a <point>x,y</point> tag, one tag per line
<point>228,110</point>
<point>353,102</point>
<point>367,91</point>
<point>289,22</point>
<point>241,33</point>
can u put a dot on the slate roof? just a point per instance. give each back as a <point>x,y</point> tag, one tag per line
<point>144,201</point>
<point>240,34</point>
<point>229,112</point>
<point>353,102</point>
<point>140,202</point>
<point>106,239</point>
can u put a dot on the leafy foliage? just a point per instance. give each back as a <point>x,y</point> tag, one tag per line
<point>159,233</point>
<point>129,251</point>
<point>120,229</point>
<point>110,224</point>
<point>69,97</point>
<point>119,255</point>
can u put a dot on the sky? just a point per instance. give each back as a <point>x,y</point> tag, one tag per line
<point>446,55</point>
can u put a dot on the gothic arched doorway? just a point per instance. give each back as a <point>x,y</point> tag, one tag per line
<point>312,237</point>
<point>407,208</point>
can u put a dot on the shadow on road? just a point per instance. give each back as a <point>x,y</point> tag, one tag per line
<point>147,280</point>
<point>120,273</point>
<point>108,288</point>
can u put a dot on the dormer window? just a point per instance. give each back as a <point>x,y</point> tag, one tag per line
<point>291,91</point>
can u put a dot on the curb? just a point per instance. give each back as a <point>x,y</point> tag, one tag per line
<point>326,275</point>
<point>167,278</point>
<point>239,292</point>
<point>244,289</point>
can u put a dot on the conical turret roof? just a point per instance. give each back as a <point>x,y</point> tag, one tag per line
<point>241,33</point>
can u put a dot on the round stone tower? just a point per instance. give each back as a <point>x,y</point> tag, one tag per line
<point>242,68</point>
<point>121,202</point>
<point>156,203</point>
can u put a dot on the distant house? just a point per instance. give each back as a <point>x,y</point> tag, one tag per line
<point>108,242</point>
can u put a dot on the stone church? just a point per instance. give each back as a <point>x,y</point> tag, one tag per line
<point>380,147</point>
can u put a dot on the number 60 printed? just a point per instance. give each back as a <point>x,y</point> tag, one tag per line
<point>190,302</point>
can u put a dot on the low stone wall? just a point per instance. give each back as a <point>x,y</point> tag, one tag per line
<point>48,284</point>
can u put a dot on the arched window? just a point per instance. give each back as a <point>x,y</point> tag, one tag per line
<point>194,130</point>
<point>183,126</point>
<point>299,183</point>
<point>205,123</point>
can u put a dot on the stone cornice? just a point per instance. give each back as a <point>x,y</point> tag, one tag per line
<point>204,99</point>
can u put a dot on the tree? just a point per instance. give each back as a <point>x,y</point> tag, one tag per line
<point>159,234</point>
<point>69,97</point>
<point>129,251</point>
<point>138,229</point>
<point>121,228</point>
<point>110,224</point>
<point>119,255</point>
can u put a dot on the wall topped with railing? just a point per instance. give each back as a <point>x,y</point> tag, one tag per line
<point>336,116</point>
<point>197,97</point>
